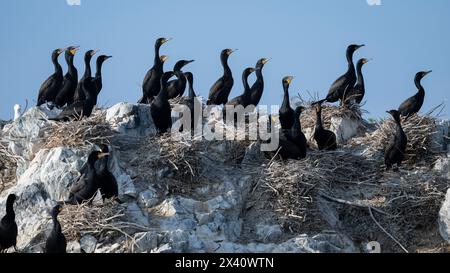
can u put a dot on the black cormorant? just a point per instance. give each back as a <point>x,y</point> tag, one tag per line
<point>105,179</point>
<point>191,101</point>
<point>293,144</point>
<point>160,108</point>
<point>325,139</point>
<point>356,94</point>
<point>50,88</point>
<point>152,80</point>
<point>56,241</point>
<point>219,92</point>
<point>412,105</point>
<point>80,108</point>
<point>395,151</point>
<point>98,75</point>
<point>8,226</point>
<point>86,188</point>
<point>287,114</point>
<point>258,86</point>
<point>346,81</point>
<point>67,92</point>
<point>87,77</point>
<point>175,88</point>
<point>245,98</point>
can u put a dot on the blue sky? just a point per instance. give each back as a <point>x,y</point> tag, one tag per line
<point>304,38</point>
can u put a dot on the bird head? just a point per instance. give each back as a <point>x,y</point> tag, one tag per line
<point>300,109</point>
<point>352,48</point>
<point>161,41</point>
<point>248,71</point>
<point>261,62</point>
<point>422,74</point>
<point>180,64</point>
<point>11,198</point>
<point>57,209</point>
<point>318,108</point>
<point>394,113</point>
<point>72,50</point>
<point>363,61</point>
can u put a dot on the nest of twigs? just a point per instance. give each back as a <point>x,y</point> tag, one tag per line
<point>294,185</point>
<point>103,221</point>
<point>81,132</point>
<point>8,166</point>
<point>420,131</point>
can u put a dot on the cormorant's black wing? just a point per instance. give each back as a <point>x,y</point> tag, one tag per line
<point>216,89</point>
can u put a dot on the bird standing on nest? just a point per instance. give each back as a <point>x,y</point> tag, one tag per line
<point>219,92</point>
<point>326,140</point>
<point>395,151</point>
<point>413,105</point>
<point>160,108</point>
<point>105,179</point>
<point>8,226</point>
<point>346,81</point>
<point>56,241</point>
<point>356,94</point>
<point>293,143</point>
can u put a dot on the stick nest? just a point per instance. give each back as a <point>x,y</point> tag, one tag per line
<point>84,132</point>
<point>8,167</point>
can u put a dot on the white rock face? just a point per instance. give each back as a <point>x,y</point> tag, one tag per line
<point>206,220</point>
<point>444,218</point>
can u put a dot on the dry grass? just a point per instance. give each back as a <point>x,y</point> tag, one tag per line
<point>420,131</point>
<point>103,221</point>
<point>8,166</point>
<point>84,132</point>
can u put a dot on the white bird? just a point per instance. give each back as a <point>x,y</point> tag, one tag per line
<point>17,112</point>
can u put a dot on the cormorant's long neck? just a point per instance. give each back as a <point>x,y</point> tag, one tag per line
<point>163,96</point>
<point>297,127</point>
<point>319,120</point>
<point>399,126</point>
<point>98,72</point>
<point>71,67</point>
<point>87,72</point>
<point>286,99</point>
<point>191,90</point>
<point>259,75</point>
<point>246,85</point>
<point>56,225</point>
<point>421,90</point>
<point>360,75</point>
<point>10,210</point>
<point>58,68</point>
<point>226,68</point>
<point>157,61</point>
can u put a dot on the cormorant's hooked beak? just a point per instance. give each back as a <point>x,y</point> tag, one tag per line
<point>359,46</point>
<point>289,79</point>
<point>95,52</point>
<point>167,40</point>
<point>108,57</point>
<point>190,61</point>
<point>232,51</point>
<point>61,50</point>
<point>164,58</point>
<point>264,61</point>
<point>74,49</point>
<point>428,72</point>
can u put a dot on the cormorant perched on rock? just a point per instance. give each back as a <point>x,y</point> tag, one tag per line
<point>258,87</point>
<point>346,81</point>
<point>98,75</point>
<point>219,92</point>
<point>356,94</point>
<point>80,108</point>
<point>160,108</point>
<point>293,142</point>
<point>191,101</point>
<point>50,88</point>
<point>87,77</point>
<point>175,88</point>
<point>8,226</point>
<point>152,80</point>
<point>105,179</point>
<point>395,151</point>
<point>67,92</point>
<point>287,114</point>
<point>326,140</point>
<point>56,241</point>
<point>86,188</point>
<point>245,98</point>
<point>413,105</point>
